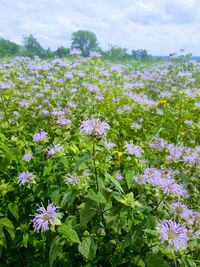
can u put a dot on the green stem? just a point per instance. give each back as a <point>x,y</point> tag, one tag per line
<point>155,209</point>
<point>95,167</point>
<point>98,189</point>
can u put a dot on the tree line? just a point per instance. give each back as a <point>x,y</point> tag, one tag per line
<point>84,41</point>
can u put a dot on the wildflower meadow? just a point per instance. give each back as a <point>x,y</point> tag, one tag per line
<point>99,163</point>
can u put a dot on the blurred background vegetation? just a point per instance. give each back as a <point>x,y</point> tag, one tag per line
<point>85,41</point>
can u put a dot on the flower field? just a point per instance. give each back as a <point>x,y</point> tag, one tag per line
<point>99,163</point>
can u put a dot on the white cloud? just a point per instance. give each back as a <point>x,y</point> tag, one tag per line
<point>160,26</point>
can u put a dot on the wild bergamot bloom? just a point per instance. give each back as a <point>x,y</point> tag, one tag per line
<point>40,136</point>
<point>181,210</point>
<point>54,150</point>
<point>174,234</point>
<point>46,218</point>
<point>72,179</point>
<point>94,127</point>
<point>134,150</point>
<point>25,177</point>
<point>27,157</point>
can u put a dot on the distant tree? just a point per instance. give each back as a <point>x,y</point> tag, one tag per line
<point>140,54</point>
<point>62,52</point>
<point>134,54</point>
<point>48,53</point>
<point>117,53</point>
<point>85,41</point>
<point>32,47</point>
<point>8,48</point>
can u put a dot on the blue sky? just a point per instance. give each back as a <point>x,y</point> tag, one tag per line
<point>160,26</point>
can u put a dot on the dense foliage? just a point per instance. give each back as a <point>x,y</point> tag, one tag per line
<point>99,164</point>
<point>84,41</point>
<point>8,48</point>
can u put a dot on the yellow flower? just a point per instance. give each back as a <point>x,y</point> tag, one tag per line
<point>119,154</point>
<point>162,101</point>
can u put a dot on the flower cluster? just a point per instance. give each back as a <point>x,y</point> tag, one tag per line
<point>71,179</point>
<point>54,150</point>
<point>162,179</point>
<point>134,150</point>
<point>40,136</point>
<point>94,127</point>
<point>182,211</point>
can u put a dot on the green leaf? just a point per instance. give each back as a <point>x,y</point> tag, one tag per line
<point>13,208</point>
<point>151,221</point>
<point>83,159</point>
<point>7,150</point>
<point>55,249</point>
<point>68,232</point>
<point>88,212</point>
<point>2,238</point>
<point>69,198</point>
<point>155,260</point>
<point>25,240</point>
<point>115,182</point>
<point>55,195</point>
<point>88,248</point>
<point>47,170</point>
<point>9,226</point>
<point>129,178</point>
<point>97,197</point>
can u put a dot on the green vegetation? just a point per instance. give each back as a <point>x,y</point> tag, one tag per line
<point>99,163</point>
<point>8,48</point>
<point>84,41</point>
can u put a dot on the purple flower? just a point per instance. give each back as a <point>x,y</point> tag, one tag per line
<point>188,122</point>
<point>136,125</point>
<point>45,218</point>
<point>94,127</point>
<point>75,52</point>
<point>87,173</point>
<point>134,150</point>
<point>116,68</point>
<point>197,104</point>
<point>27,157</point>
<point>176,152</point>
<point>93,88</point>
<point>181,210</point>
<point>192,158</point>
<point>5,86</point>
<point>54,150</point>
<point>110,145</point>
<point>196,217</point>
<point>69,76</point>
<point>63,121</point>
<point>45,112</point>
<point>40,136</point>
<point>174,234</point>
<point>57,113</point>
<point>94,54</point>
<point>162,179</point>
<point>24,103</point>
<point>72,179</point>
<point>119,176</point>
<point>158,143</point>
<point>25,177</point>
<point>169,186</point>
<point>160,111</point>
